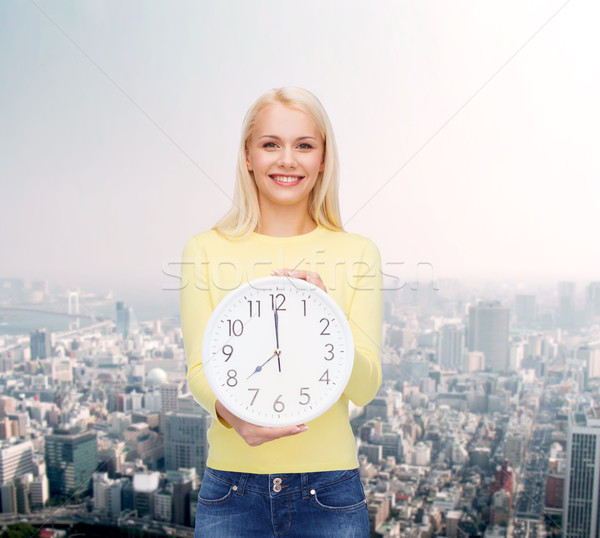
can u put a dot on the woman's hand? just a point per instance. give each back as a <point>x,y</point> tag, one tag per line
<point>309,276</point>
<point>251,433</point>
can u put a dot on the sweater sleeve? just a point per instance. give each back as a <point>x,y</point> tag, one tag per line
<point>195,309</point>
<point>365,318</point>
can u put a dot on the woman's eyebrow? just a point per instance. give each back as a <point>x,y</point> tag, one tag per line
<point>275,137</point>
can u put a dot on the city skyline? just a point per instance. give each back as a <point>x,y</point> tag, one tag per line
<point>474,136</point>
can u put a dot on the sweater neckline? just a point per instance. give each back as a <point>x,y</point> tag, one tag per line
<point>317,232</point>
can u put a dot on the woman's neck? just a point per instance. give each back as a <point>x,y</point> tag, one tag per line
<point>285,223</point>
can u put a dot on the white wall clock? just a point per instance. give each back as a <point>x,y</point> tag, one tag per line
<point>278,351</point>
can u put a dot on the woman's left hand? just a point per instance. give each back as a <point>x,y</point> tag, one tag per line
<point>309,276</point>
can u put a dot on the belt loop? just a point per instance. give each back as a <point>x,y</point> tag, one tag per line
<point>242,484</point>
<point>305,485</point>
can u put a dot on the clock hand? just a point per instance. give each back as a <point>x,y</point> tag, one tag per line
<point>260,366</point>
<point>276,316</point>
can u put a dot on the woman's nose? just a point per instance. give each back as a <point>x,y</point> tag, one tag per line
<point>287,158</point>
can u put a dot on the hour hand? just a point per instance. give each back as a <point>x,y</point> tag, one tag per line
<point>260,366</point>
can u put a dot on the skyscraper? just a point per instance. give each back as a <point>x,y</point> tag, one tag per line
<point>566,305</point>
<point>185,440</point>
<point>451,346</point>
<point>592,301</point>
<point>16,459</point>
<point>525,308</point>
<point>39,344</point>
<point>488,332</point>
<point>123,319</point>
<point>581,518</point>
<point>71,460</point>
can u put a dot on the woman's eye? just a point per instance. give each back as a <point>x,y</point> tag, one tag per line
<point>269,145</point>
<point>305,146</point>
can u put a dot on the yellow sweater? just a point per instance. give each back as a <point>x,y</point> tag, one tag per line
<point>350,267</point>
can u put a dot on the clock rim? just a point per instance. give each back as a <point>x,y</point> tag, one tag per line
<point>265,282</point>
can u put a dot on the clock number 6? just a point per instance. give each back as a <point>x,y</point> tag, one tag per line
<point>278,405</point>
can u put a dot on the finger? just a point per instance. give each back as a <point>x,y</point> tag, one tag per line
<point>309,276</point>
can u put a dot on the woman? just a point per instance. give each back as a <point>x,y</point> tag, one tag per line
<point>297,480</point>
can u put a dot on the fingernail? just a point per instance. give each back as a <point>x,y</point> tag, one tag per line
<point>293,273</point>
<point>302,428</point>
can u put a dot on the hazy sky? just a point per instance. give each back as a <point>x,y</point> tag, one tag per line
<point>119,119</point>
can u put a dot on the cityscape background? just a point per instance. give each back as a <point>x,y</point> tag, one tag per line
<point>467,135</point>
<point>467,131</point>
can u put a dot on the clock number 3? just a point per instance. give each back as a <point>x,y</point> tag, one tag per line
<point>330,351</point>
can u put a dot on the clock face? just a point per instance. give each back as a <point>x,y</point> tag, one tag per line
<point>277,351</point>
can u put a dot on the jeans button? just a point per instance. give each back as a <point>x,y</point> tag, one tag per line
<point>277,485</point>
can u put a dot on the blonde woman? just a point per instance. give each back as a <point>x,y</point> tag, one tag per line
<point>285,220</point>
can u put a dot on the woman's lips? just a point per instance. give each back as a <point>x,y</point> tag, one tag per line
<point>287,181</point>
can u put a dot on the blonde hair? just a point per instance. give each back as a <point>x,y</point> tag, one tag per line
<point>323,206</point>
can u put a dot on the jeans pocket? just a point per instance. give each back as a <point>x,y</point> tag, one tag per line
<point>343,496</point>
<point>214,490</point>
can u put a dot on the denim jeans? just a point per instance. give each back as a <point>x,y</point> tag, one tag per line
<point>311,505</point>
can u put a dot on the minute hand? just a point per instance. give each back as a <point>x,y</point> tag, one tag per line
<point>278,351</point>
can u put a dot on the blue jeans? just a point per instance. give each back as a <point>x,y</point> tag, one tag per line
<point>324,504</point>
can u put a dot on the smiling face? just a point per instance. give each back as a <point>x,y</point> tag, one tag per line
<point>285,153</point>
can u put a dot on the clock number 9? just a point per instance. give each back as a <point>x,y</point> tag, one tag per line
<point>236,327</point>
<point>231,378</point>
<point>330,351</point>
<point>278,405</point>
<point>306,394</point>
<point>227,350</point>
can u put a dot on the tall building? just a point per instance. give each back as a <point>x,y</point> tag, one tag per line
<point>122,324</point>
<point>451,346</point>
<point>39,344</point>
<point>525,309</point>
<point>488,332</point>
<point>566,305</point>
<point>16,459</point>
<point>169,396</point>
<point>185,440</point>
<point>581,517</point>
<point>126,320</point>
<point>71,460</point>
<point>592,301</point>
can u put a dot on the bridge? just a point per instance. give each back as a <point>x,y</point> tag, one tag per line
<point>54,312</point>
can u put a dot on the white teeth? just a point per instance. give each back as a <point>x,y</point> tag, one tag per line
<point>284,179</point>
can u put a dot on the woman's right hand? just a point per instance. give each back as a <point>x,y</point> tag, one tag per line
<point>256,435</point>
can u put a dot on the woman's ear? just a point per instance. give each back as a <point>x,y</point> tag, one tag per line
<point>248,163</point>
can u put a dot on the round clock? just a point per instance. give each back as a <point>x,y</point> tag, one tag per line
<point>277,351</point>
